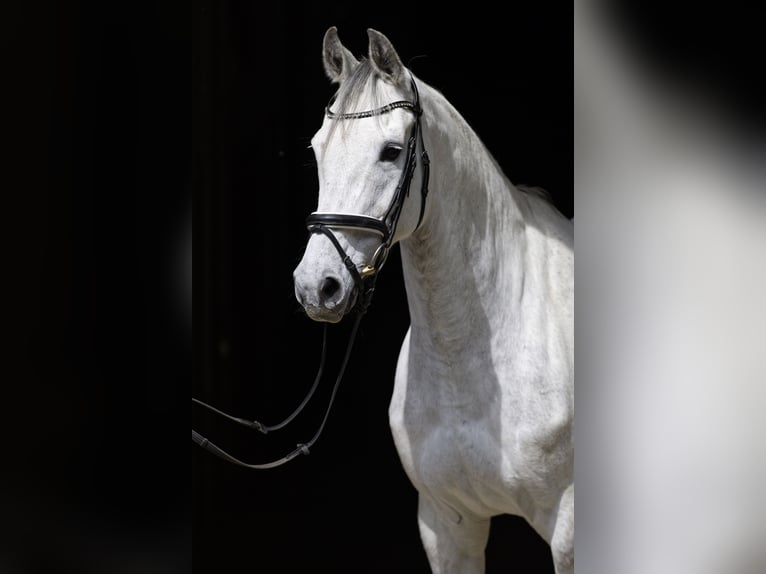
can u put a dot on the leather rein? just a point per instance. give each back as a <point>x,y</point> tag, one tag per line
<point>364,279</point>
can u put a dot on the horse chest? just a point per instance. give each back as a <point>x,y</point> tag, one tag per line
<point>478,451</point>
<point>457,462</point>
<point>444,447</point>
<point>451,454</point>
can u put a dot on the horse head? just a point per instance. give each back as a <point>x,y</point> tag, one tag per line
<point>365,154</point>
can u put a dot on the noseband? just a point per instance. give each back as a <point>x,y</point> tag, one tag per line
<point>328,223</point>
<point>364,279</point>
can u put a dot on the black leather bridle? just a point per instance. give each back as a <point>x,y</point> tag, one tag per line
<point>364,279</point>
<point>325,223</point>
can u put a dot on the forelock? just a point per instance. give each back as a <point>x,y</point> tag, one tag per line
<point>362,80</point>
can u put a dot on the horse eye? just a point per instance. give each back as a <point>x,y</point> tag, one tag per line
<point>390,152</point>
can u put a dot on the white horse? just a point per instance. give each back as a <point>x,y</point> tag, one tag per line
<point>482,408</point>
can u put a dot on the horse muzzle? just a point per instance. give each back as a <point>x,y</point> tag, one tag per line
<point>325,296</point>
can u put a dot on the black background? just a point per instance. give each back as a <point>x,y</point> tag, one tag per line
<point>259,92</point>
<point>97,349</point>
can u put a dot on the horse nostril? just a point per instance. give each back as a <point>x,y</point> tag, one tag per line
<point>330,286</point>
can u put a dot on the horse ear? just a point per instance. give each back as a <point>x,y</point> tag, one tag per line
<point>384,58</point>
<point>339,62</point>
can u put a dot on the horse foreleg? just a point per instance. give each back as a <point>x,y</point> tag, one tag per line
<point>454,542</point>
<point>562,542</point>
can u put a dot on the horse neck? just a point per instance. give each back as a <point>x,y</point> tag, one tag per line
<point>466,258</point>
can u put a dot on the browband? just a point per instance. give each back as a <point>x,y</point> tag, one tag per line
<point>371,113</point>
